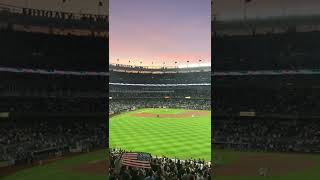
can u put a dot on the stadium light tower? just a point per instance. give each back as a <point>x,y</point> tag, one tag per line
<point>214,15</point>
<point>100,4</point>
<point>283,8</point>
<point>26,3</point>
<point>245,18</point>
<point>245,3</point>
<point>62,5</point>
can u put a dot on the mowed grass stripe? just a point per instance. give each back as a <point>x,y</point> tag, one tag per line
<point>173,137</point>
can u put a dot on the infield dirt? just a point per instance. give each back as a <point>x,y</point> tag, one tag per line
<point>186,114</point>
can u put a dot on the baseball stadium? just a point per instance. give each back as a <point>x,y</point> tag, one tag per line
<point>164,112</point>
<point>266,98</point>
<point>52,100</point>
<point>160,90</point>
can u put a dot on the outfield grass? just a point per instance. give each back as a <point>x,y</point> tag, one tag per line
<point>59,170</point>
<point>173,137</point>
<point>227,157</point>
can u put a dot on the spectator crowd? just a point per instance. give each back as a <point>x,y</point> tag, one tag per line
<point>26,142</point>
<point>162,168</point>
<point>119,105</point>
<point>267,134</point>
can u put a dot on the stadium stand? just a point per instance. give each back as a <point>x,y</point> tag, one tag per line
<point>49,51</point>
<point>174,89</point>
<point>266,93</point>
<point>161,168</point>
<point>53,75</point>
<point>133,88</point>
<point>274,51</point>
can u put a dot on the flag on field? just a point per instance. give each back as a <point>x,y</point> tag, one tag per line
<point>138,160</point>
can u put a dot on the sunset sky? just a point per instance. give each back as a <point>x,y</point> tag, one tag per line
<point>160,31</point>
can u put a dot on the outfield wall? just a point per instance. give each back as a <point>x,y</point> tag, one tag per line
<point>6,163</point>
<point>171,107</point>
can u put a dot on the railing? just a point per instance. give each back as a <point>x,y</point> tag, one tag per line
<point>160,85</point>
<point>53,72</point>
<point>54,94</point>
<point>268,72</point>
<point>10,8</point>
<point>274,25</point>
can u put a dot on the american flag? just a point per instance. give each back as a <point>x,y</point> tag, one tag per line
<point>139,160</point>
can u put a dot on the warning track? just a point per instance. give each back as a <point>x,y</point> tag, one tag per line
<point>186,114</point>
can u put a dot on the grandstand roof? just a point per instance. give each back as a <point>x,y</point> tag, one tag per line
<point>158,69</point>
<point>74,6</point>
<point>269,25</point>
<point>29,19</point>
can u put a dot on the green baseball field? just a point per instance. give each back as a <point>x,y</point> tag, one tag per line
<point>174,133</point>
<point>80,167</point>
<point>232,165</point>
